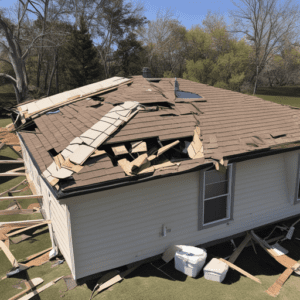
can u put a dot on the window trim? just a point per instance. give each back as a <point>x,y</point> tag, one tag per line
<point>296,198</point>
<point>230,195</point>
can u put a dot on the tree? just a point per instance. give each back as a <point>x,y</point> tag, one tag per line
<point>216,58</point>
<point>82,63</point>
<point>19,36</point>
<point>267,24</point>
<point>130,56</point>
<point>283,68</point>
<point>164,40</point>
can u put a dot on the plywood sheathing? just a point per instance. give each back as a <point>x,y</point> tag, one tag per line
<point>138,147</point>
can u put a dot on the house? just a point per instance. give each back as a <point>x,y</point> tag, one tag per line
<point>128,167</point>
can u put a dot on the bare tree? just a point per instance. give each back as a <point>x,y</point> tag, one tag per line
<point>19,36</point>
<point>164,39</point>
<point>267,24</point>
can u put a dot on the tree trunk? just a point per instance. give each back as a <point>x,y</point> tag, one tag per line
<point>52,73</point>
<point>46,77</point>
<point>38,74</point>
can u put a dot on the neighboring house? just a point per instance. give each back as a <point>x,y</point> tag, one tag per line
<point>118,204</point>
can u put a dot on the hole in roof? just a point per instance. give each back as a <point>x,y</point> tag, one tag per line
<point>52,152</point>
<point>186,95</point>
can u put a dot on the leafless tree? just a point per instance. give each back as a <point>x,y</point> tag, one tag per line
<point>164,39</point>
<point>267,24</point>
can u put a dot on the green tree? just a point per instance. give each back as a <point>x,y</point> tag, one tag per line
<point>216,58</point>
<point>82,63</point>
<point>130,56</point>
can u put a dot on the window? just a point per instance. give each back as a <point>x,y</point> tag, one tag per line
<point>216,199</point>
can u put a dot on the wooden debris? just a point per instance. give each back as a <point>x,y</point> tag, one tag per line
<point>126,166</point>
<point>98,153</point>
<point>163,150</point>
<point>282,259</point>
<point>27,228</point>
<point>30,295</point>
<point>138,147</point>
<point>231,265</point>
<point>21,197</point>
<point>276,287</point>
<point>11,189</point>
<point>53,181</point>
<point>195,149</point>
<point>13,161</point>
<point>37,254</point>
<point>239,249</point>
<point>17,212</point>
<point>70,166</point>
<point>138,162</point>
<point>12,174</point>
<point>29,285</point>
<point>119,150</point>
<point>9,255</point>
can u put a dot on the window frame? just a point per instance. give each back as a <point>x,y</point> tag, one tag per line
<point>229,195</point>
<point>296,198</point>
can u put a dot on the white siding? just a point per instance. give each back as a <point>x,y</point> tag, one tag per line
<point>56,212</point>
<point>119,226</point>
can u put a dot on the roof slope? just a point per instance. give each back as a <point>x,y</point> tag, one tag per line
<point>230,123</point>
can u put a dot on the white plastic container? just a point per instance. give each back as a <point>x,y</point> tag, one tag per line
<point>190,260</point>
<point>215,270</point>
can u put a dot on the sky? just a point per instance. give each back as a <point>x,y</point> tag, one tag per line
<point>187,12</point>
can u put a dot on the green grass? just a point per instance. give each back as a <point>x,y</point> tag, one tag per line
<point>281,95</point>
<point>7,96</point>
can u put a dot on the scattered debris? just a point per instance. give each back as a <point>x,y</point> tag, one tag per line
<point>169,254</point>
<point>231,265</point>
<point>32,294</point>
<point>29,285</point>
<point>276,287</point>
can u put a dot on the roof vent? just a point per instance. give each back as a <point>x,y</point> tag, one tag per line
<point>146,73</point>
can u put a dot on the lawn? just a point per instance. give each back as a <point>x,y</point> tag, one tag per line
<point>289,95</point>
<point>7,98</point>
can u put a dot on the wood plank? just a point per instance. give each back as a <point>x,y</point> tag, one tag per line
<point>15,161</point>
<point>29,285</point>
<point>15,170</point>
<point>9,255</point>
<point>37,254</point>
<point>11,189</point>
<point>239,249</point>
<point>30,295</point>
<point>17,212</point>
<point>12,174</point>
<point>27,228</point>
<point>21,197</point>
<point>276,287</point>
<point>240,270</point>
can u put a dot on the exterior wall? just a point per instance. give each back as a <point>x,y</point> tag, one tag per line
<point>123,225</point>
<point>53,210</point>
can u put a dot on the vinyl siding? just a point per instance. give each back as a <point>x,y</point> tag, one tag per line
<point>54,211</point>
<point>116,227</point>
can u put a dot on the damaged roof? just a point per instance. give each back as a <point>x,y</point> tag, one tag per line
<point>153,129</point>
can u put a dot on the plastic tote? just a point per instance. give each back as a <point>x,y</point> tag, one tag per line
<point>190,260</point>
<point>215,270</point>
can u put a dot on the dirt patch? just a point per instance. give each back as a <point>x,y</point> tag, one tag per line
<point>33,205</point>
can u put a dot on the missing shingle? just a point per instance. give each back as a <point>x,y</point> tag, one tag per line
<point>52,152</point>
